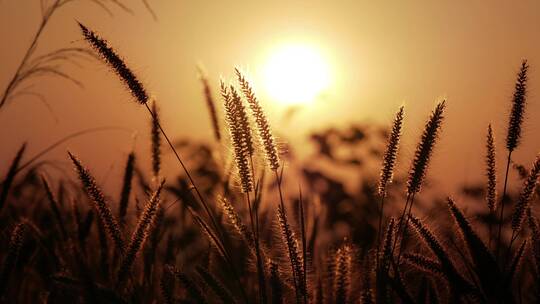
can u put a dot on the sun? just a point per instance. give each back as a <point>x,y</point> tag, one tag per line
<point>296,74</point>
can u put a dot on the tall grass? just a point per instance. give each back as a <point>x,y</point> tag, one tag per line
<point>247,240</point>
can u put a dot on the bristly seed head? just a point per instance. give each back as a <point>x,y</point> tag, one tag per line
<point>156,142</point>
<point>263,127</point>
<point>425,149</point>
<point>526,195</point>
<point>101,206</point>
<point>518,108</point>
<point>390,155</point>
<point>491,171</point>
<point>116,63</point>
<point>240,133</point>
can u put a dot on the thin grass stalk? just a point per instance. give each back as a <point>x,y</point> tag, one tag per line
<point>503,200</point>
<point>186,171</point>
<point>404,232</point>
<point>260,269</point>
<point>12,83</point>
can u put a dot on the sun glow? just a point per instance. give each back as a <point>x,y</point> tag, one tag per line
<point>296,74</point>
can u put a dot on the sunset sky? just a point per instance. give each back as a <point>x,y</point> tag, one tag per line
<point>374,57</point>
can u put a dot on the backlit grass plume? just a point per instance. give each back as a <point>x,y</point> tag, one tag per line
<point>455,279</point>
<point>491,171</point>
<point>293,253</point>
<point>100,204</point>
<point>263,127</point>
<point>140,234</point>
<point>518,108</point>
<point>240,134</point>
<point>424,263</point>
<point>526,195</point>
<point>425,149</point>
<point>236,221</point>
<point>342,274</point>
<point>485,265</point>
<point>116,63</point>
<point>390,155</point>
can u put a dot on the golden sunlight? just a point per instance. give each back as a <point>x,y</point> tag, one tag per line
<point>296,74</point>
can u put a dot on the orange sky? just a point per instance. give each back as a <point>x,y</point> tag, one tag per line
<point>410,52</point>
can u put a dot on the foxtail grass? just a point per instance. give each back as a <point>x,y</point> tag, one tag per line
<point>455,279</point>
<point>513,136</point>
<point>420,162</point>
<point>524,199</point>
<point>387,170</point>
<point>424,263</point>
<point>117,64</point>
<point>240,134</point>
<point>236,222</point>
<point>342,275</point>
<point>491,174</point>
<point>424,150</point>
<point>491,171</point>
<point>295,258</point>
<point>156,143</point>
<point>140,234</point>
<point>100,204</point>
<point>485,265</point>
<point>263,126</point>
